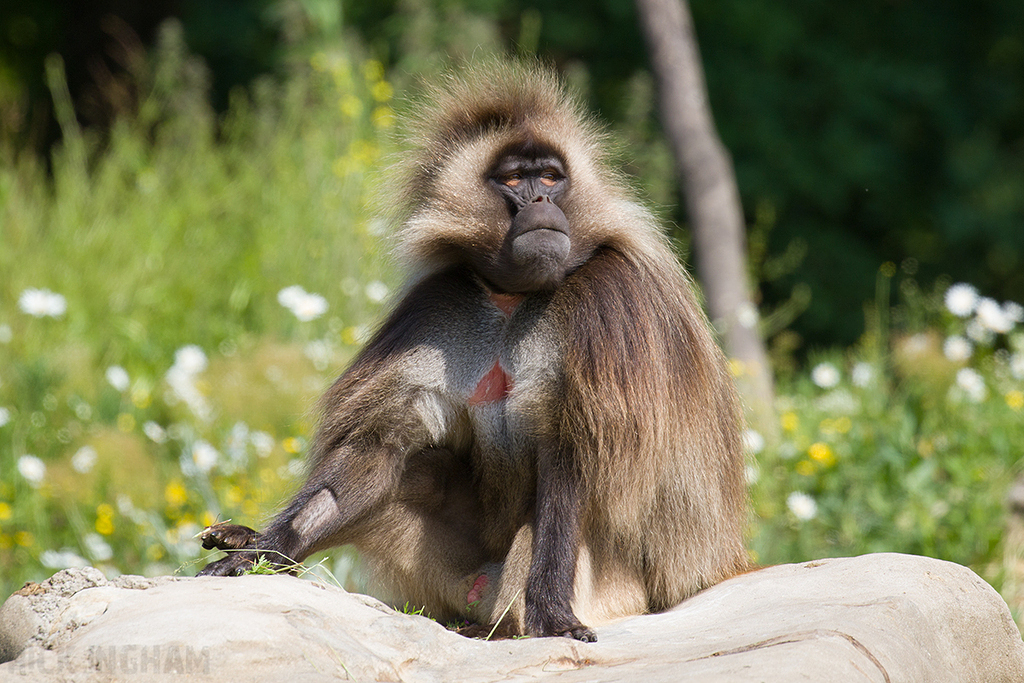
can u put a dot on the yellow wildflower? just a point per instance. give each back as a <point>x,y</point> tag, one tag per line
<point>351,106</point>
<point>790,421</point>
<point>24,539</point>
<point>5,512</point>
<point>233,496</point>
<point>383,117</point>
<point>805,467</point>
<point>175,493</point>
<point>141,398</point>
<point>104,519</point>
<point>382,91</point>
<point>1015,399</point>
<point>821,452</point>
<point>373,70</point>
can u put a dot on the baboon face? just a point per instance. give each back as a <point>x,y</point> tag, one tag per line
<point>537,250</point>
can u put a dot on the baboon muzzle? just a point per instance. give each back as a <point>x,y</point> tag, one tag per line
<point>540,234</point>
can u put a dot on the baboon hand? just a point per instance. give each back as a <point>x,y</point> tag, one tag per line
<point>224,536</point>
<point>234,538</point>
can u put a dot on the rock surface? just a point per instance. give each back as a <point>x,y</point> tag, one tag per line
<point>873,618</point>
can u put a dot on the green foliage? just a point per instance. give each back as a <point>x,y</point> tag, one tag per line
<point>907,443</point>
<point>168,385</point>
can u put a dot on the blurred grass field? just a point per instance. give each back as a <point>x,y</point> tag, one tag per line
<point>157,380</point>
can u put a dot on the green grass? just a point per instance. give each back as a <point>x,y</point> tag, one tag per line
<point>182,227</point>
<point>907,451</point>
<point>181,230</point>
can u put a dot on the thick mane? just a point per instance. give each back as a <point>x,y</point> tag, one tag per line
<point>464,122</point>
<point>489,98</point>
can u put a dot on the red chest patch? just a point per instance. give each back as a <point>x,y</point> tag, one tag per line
<point>506,302</point>
<point>494,386</point>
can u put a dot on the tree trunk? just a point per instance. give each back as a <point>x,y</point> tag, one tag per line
<point>712,199</point>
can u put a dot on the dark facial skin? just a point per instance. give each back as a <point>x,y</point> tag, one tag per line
<point>537,251</point>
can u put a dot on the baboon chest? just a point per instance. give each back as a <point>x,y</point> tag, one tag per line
<point>511,368</point>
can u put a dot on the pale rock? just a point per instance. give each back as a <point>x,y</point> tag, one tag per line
<point>882,617</point>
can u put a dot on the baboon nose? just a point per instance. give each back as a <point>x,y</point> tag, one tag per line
<point>541,198</point>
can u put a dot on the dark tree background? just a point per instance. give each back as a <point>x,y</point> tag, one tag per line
<point>883,130</point>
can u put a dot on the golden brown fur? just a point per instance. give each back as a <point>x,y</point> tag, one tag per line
<point>609,475</point>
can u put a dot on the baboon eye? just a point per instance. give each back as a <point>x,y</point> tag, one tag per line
<point>512,179</point>
<point>549,178</point>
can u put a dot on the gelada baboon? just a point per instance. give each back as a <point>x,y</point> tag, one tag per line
<point>544,423</point>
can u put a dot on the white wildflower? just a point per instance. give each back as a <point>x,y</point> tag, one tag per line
<point>862,374</point>
<point>802,506</point>
<point>957,349</point>
<point>979,333</point>
<point>961,299</point>
<point>128,509</point>
<point>262,442</point>
<point>838,402</point>
<point>304,305</point>
<point>747,315</point>
<point>42,303</point>
<point>84,459</point>
<point>190,359</point>
<point>376,291</point>
<point>296,468</point>
<point>154,431</point>
<point>117,377</point>
<point>62,559</point>
<point>97,548</point>
<point>992,316</point>
<point>204,456</point>
<point>32,468</point>
<point>290,296</point>
<point>972,383</point>
<point>5,416</point>
<point>310,308</point>
<point>753,442</point>
<point>1016,365</point>
<point>1013,311</point>
<point>6,335</point>
<point>825,375</point>
<point>751,474</point>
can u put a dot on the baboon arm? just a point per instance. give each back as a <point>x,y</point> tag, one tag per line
<point>326,512</point>
<point>550,585</point>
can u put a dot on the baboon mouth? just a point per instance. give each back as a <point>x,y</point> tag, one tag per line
<point>540,243</point>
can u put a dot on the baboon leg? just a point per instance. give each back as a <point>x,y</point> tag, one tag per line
<point>425,542</point>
